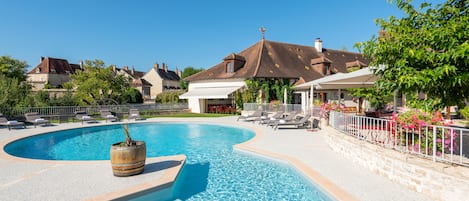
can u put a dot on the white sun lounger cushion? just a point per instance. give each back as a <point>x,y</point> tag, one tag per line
<point>281,121</point>
<point>12,122</point>
<point>85,117</point>
<point>110,116</point>
<point>134,115</point>
<point>39,120</point>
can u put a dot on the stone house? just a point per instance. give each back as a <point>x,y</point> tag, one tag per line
<point>162,79</point>
<point>142,85</point>
<point>52,71</point>
<point>267,60</point>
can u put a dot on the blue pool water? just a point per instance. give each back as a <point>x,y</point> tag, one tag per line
<point>213,171</point>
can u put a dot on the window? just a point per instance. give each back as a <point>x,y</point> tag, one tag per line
<point>230,67</point>
<point>324,70</point>
<point>38,70</point>
<point>146,91</point>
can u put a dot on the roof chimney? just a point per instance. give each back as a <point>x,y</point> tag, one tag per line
<point>42,58</point>
<point>133,71</point>
<point>81,64</point>
<point>164,66</point>
<point>126,68</point>
<point>156,66</point>
<point>318,44</point>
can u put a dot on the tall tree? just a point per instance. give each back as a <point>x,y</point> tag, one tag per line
<point>425,51</point>
<point>13,68</point>
<point>188,71</point>
<point>97,84</point>
<point>14,90</point>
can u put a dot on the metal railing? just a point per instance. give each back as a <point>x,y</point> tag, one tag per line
<point>438,143</point>
<point>272,107</point>
<point>70,110</point>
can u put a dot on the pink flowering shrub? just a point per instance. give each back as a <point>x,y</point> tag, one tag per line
<point>326,108</point>
<point>419,127</point>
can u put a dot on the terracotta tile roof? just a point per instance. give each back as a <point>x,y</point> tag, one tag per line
<point>270,59</point>
<point>356,63</point>
<point>54,66</point>
<point>339,59</point>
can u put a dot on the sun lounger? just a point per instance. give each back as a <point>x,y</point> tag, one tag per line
<point>35,119</point>
<point>250,117</point>
<point>291,116</point>
<point>12,123</point>
<point>106,114</point>
<point>83,116</point>
<point>135,114</point>
<point>298,123</point>
<point>278,115</point>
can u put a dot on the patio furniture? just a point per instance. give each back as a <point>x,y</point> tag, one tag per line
<point>291,116</point>
<point>106,114</point>
<point>35,119</point>
<point>273,118</point>
<point>256,114</point>
<point>134,114</point>
<point>83,116</point>
<point>12,123</point>
<point>298,123</point>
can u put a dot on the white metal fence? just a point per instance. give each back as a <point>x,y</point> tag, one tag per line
<point>439,143</point>
<point>70,110</point>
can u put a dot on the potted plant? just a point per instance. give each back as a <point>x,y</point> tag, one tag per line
<point>326,108</point>
<point>128,157</point>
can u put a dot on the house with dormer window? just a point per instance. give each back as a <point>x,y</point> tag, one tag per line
<point>266,60</point>
<point>51,71</point>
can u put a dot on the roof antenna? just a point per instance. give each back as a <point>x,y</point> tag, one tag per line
<point>262,30</point>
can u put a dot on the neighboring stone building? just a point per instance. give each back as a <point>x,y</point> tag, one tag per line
<point>162,79</point>
<point>138,82</point>
<point>52,71</point>
<point>266,60</point>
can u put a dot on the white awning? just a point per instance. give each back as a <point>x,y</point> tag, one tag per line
<point>209,92</point>
<point>361,78</point>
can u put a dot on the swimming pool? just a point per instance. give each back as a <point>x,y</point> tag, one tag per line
<point>212,170</point>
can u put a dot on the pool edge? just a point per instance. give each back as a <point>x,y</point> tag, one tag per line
<point>318,180</point>
<point>166,181</point>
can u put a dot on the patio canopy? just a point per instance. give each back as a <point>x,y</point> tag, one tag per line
<point>356,79</point>
<point>210,92</point>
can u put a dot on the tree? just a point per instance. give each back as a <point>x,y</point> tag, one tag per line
<point>98,85</point>
<point>13,68</point>
<point>425,51</point>
<point>132,95</point>
<point>188,71</point>
<point>13,93</point>
<point>14,90</point>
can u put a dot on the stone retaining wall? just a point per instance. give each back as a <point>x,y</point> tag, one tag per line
<point>437,180</point>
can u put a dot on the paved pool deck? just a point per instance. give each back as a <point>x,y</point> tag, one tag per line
<point>24,179</point>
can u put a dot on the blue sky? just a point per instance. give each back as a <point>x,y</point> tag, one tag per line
<point>180,33</point>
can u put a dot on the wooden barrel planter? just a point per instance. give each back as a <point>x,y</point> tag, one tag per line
<point>128,160</point>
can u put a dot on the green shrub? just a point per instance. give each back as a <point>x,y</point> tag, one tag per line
<point>465,112</point>
<point>169,97</point>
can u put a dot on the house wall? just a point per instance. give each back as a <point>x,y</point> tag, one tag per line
<point>155,80</point>
<point>197,105</point>
<point>38,80</point>
<point>170,83</point>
